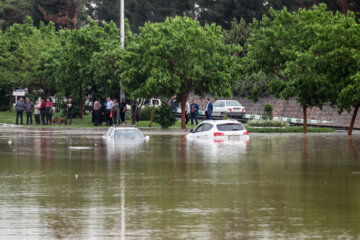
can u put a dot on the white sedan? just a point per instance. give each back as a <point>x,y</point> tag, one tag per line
<point>124,134</point>
<point>228,107</point>
<point>219,129</point>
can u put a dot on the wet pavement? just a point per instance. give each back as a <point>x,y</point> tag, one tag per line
<point>71,184</point>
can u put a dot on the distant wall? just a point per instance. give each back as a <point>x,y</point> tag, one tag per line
<point>291,109</point>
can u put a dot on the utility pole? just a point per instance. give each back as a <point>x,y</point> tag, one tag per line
<point>122,36</point>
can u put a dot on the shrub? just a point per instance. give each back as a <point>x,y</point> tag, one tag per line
<point>145,113</point>
<point>163,115</point>
<point>268,111</point>
<point>267,123</point>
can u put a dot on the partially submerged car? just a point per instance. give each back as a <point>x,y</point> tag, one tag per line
<point>228,107</point>
<point>124,134</point>
<point>219,129</point>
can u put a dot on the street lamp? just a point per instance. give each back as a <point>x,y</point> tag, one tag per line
<point>122,36</point>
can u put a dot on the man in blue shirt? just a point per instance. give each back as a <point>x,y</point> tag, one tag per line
<point>194,111</point>
<point>109,105</point>
<point>208,109</point>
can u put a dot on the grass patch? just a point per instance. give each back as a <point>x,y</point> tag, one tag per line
<point>290,129</point>
<point>10,118</point>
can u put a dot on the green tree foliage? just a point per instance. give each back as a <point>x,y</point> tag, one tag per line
<point>33,51</point>
<point>238,34</point>
<point>138,12</point>
<point>179,56</point>
<point>337,58</point>
<point>70,64</point>
<point>105,63</point>
<point>283,46</point>
<point>333,5</point>
<point>223,12</point>
<point>12,72</point>
<point>13,11</point>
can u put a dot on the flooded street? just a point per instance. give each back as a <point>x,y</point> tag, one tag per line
<point>71,184</point>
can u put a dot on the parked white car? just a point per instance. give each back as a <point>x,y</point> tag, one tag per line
<point>219,129</point>
<point>228,107</point>
<point>124,134</point>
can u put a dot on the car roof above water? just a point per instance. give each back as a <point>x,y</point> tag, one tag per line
<point>216,122</point>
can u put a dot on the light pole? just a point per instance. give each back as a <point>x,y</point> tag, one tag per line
<point>122,36</point>
<point>122,95</point>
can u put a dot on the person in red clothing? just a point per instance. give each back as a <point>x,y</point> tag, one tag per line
<point>48,109</point>
<point>43,110</point>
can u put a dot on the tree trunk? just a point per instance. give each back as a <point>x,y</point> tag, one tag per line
<point>151,116</point>
<point>305,119</point>
<point>10,100</point>
<point>353,119</point>
<point>183,105</point>
<point>81,107</point>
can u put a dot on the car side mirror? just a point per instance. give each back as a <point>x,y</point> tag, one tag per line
<point>191,130</point>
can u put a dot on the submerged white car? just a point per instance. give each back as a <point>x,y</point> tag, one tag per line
<point>124,134</point>
<point>219,129</point>
<point>228,107</point>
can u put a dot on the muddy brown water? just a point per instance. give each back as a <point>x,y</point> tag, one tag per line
<point>71,184</point>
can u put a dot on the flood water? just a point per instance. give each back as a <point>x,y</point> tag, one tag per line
<point>70,184</point>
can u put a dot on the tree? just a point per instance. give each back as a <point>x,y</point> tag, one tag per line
<point>338,58</point>
<point>70,64</point>
<point>105,63</point>
<point>283,46</point>
<point>138,12</point>
<point>33,50</point>
<point>179,56</point>
<point>64,13</point>
<point>11,57</point>
<point>13,11</point>
<point>223,12</point>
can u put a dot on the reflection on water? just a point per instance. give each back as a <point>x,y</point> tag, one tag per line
<point>62,184</point>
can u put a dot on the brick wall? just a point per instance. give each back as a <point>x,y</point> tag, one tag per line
<point>290,109</point>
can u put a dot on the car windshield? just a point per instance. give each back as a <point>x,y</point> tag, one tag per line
<point>230,127</point>
<point>128,135</point>
<point>233,103</point>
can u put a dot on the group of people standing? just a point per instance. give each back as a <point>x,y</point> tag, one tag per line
<point>113,111</point>
<point>192,110</point>
<point>42,111</point>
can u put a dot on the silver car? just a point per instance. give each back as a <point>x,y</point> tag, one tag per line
<point>123,134</point>
<point>228,107</point>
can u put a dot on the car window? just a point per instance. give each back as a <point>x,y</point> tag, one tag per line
<point>230,127</point>
<point>199,128</point>
<point>216,104</point>
<point>233,103</point>
<point>128,135</point>
<point>207,127</point>
<point>203,127</point>
<point>109,132</point>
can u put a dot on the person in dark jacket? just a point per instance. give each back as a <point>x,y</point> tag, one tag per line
<point>29,109</point>
<point>69,111</point>
<point>43,111</point>
<point>122,111</point>
<point>19,107</point>
<point>208,109</point>
<point>194,111</point>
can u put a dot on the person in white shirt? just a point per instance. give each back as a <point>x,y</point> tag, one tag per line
<point>109,105</point>
<point>37,112</point>
<point>187,112</point>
